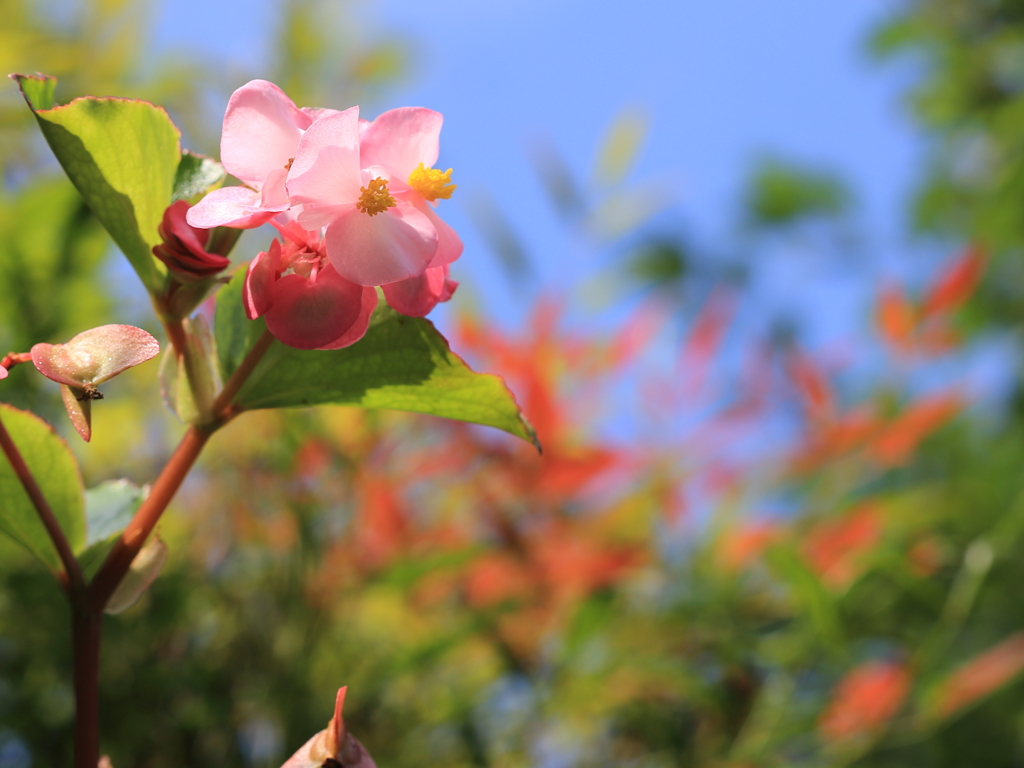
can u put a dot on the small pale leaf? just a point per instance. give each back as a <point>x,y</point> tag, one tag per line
<point>95,356</point>
<point>143,572</point>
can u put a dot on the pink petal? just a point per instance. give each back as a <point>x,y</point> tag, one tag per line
<point>326,167</point>
<point>262,128</point>
<point>258,291</point>
<point>375,250</point>
<point>95,356</point>
<point>309,315</point>
<point>401,139</point>
<point>274,196</point>
<point>3,373</point>
<point>316,113</point>
<point>229,207</point>
<point>418,295</point>
<point>362,323</point>
<point>318,216</point>
<point>449,244</point>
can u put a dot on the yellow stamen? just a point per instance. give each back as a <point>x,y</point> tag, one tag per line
<point>432,183</point>
<point>375,198</point>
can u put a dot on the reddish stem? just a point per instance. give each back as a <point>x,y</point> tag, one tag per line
<point>87,610</point>
<point>12,359</point>
<point>86,630</point>
<point>71,579</point>
<point>134,536</point>
<point>222,405</point>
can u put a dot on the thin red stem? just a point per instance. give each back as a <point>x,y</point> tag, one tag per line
<point>134,536</point>
<point>87,612</point>
<point>12,359</point>
<point>86,632</point>
<point>222,405</point>
<point>71,578</point>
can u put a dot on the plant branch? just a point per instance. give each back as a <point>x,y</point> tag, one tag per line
<point>222,405</point>
<point>12,359</point>
<point>86,632</point>
<point>72,578</point>
<point>134,536</point>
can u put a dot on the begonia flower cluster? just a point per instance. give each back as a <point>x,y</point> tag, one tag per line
<point>353,201</point>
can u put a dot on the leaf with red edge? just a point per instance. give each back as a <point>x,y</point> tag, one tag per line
<point>122,156</point>
<point>814,388</point>
<point>983,675</point>
<point>836,549</point>
<point>897,442</point>
<point>78,404</point>
<point>897,318</point>
<point>95,356</point>
<point>865,701</point>
<point>956,284</point>
<point>56,470</point>
<point>89,359</point>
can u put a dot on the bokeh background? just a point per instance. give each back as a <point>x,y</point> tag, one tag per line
<point>753,271</point>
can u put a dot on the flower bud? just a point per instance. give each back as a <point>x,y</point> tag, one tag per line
<point>184,247</point>
<point>333,747</point>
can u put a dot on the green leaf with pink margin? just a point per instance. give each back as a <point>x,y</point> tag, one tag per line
<point>89,359</point>
<point>95,356</point>
<point>402,364</point>
<point>56,470</point>
<point>122,155</point>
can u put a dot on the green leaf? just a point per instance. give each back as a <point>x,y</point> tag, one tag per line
<point>234,333</point>
<point>196,175</point>
<point>109,507</point>
<point>122,155</point>
<point>402,364</point>
<point>56,470</point>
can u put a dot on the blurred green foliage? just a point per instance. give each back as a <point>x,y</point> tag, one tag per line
<point>487,607</point>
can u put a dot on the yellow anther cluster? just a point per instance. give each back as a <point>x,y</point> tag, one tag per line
<point>432,183</point>
<point>375,198</point>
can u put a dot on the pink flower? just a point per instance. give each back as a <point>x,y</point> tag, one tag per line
<point>307,304</point>
<point>373,193</point>
<point>418,295</point>
<point>262,129</point>
<point>402,145</point>
<point>183,249</point>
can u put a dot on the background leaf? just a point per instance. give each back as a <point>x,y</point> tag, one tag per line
<point>56,471</point>
<point>123,156</point>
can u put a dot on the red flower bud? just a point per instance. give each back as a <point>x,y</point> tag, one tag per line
<point>184,247</point>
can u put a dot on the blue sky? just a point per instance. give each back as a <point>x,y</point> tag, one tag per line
<point>721,83</point>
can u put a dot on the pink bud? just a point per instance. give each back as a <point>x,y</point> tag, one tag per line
<point>184,247</point>
<point>333,747</point>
